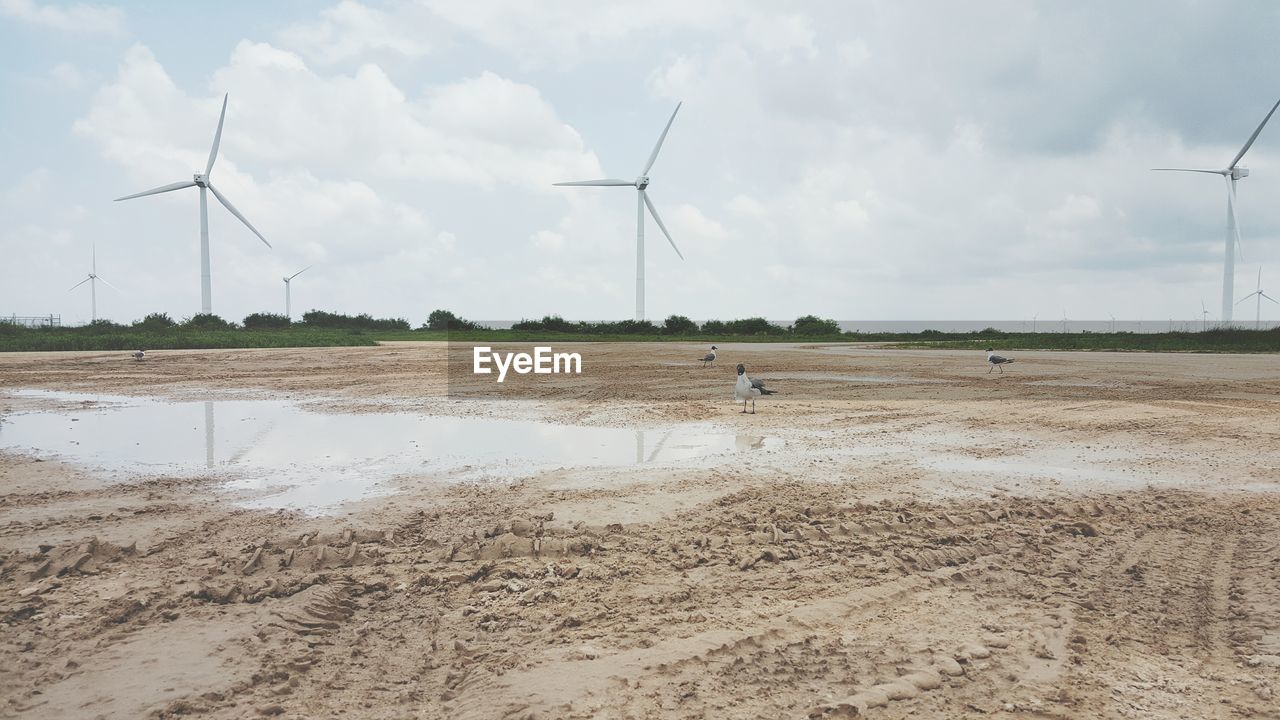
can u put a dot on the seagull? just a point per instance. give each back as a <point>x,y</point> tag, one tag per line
<point>139,355</point>
<point>709,357</point>
<point>996,361</point>
<point>748,389</point>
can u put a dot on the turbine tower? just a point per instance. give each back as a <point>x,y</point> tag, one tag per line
<point>93,285</point>
<point>288,309</point>
<point>1257,318</point>
<point>641,183</point>
<point>201,180</point>
<point>1231,173</point>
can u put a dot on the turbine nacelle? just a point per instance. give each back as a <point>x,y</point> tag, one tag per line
<point>1239,172</point>
<point>642,182</point>
<point>200,179</point>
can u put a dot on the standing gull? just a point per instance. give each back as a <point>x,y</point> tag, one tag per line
<point>139,355</point>
<point>748,389</point>
<point>996,361</point>
<point>709,357</point>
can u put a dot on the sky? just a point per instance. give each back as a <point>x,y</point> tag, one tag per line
<point>854,160</point>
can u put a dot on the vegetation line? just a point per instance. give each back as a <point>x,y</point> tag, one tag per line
<point>261,330</point>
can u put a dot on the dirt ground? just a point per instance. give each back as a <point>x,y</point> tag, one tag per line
<point>1089,535</point>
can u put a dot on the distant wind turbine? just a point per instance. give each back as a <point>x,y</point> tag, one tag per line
<point>1257,318</point>
<point>201,180</point>
<point>1231,173</point>
<point>1204,317</point>
<point>93,279</point>
<point>288,311</point>
<point>642,201</point>
<point>1113,323</point>
<point>1064,321</point>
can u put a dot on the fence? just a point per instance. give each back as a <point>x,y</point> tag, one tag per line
<point>33,321</point>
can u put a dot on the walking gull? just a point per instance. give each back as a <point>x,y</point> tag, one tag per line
<point>996,361</point>
<point>709,357</point>
<point>748,389</point>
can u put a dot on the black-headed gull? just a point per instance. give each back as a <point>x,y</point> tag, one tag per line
<point>748,389</point>
<point>996,361</point>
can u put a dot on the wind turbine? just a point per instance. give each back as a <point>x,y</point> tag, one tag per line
<point>93,285</point>
<point>1231,173</point>
<point>287,308</point>
<point>642,201</point>
<point>201,180</point>
<point>1257,318</point>
<point>1113,323</point>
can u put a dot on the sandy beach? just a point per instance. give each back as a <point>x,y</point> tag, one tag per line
<point>896,533</point>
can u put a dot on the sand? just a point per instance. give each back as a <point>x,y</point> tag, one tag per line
<point>1090,535</point>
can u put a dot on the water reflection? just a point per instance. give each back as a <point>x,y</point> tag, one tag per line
<point>324,459</point>
<point>208,433</point>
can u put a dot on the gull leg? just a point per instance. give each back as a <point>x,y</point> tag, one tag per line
<point>993,367</point>
<point>1001,369</point>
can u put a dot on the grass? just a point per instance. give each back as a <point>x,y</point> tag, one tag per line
<point>1212,341</point>
<point>16,339</point>
<point>1209,341</point>
<point>527,336</point>
<point>55,339</point>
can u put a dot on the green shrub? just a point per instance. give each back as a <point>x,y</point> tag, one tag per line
<point>154,322</point>
<point>812,325</point>
<point>445,320</point>
<point>679,325</point>
<point>266,321</point>
<point>206,321</point>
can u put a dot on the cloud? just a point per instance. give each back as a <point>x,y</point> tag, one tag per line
<point>77,18</point>
<point>565,32</point>
<point>354,125</point>
<point>352,30</point>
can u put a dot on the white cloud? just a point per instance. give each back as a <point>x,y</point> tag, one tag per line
<point>79,18</point>
<point>352,30</point>
<point>547,241</point>
<point>567,31</point>
<point>783,36</point>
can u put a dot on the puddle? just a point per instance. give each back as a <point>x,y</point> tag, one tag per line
<point>315,461</point>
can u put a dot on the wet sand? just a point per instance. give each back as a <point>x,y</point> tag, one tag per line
<point>1090,535</point>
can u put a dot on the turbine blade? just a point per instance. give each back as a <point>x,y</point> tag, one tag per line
<point>1269,298</point>
<point>654,212</point>
<point>1254,136</point>
<point>654,155</point>
<point>1246,297</point>
<point>113,287</point>
<point>73,287</point>
<point>227,204</point>
<point>217,137</point>
<point>300,272</point>
<point>162,189</point>
<point>1211,172</point>
<point>597,183</point>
